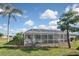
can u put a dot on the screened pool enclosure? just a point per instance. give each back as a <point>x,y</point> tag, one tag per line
<point>42,36</point>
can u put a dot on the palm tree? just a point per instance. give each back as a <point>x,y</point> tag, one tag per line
<point>68,18</point>
<point>10,12</point>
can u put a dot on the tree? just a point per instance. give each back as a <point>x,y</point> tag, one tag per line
<point>10,12</point>
<point>66,19</point>
<point>19,39</point>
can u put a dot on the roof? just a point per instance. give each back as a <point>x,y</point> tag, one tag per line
<point>43,31</point>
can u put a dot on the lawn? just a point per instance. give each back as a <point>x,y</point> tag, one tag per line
<point>10,51</point>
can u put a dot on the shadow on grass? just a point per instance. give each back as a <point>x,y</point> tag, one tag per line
<point>29,50</point>
<point>12,42</point>
<point>24,49</point>
<point>8,47</point>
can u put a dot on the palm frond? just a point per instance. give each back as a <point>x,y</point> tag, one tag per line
<point>14,17</point>
<point>17,11</point>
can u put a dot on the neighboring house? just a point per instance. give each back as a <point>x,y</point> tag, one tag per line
<point>10,37</point>
<point>44,36</point>
<point>4,36</point>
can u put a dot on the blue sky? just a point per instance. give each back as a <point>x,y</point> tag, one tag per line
<point>43,15</point>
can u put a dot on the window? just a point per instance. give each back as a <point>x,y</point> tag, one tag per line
<point>37,37</point>
<point>61,36</point>
<point>56,36</point>
<point>50,36</point>
<point>44,37</point>
<point>29,36</point>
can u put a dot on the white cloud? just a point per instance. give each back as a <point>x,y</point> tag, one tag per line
<point>4,25</point>
<point>35,27</point>
<point>49,14</point>
<point>76,9</point>
<point>53,27</point>
<point>20,30</point>
<point>43,27</point>
<point>12,30</point>
<point>5,28</point>
<point>53,24</point>
<point>1,10</point>
<point>74,6</point>
<point>1,27</point>
<point>18,14</point>
<point>23,30</point>
<point>67,8</point>
<point>29,22</point>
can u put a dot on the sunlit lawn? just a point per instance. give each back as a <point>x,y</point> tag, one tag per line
<point>10,51</point>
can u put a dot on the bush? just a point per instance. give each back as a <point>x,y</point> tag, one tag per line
<point>17,40</point>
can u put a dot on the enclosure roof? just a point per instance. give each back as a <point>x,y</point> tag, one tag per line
<point>43,31</point>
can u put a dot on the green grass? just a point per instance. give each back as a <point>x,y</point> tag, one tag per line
<point>10,51</point>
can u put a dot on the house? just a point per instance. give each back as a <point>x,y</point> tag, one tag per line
<point>5,37</point>
<point>44,36</point>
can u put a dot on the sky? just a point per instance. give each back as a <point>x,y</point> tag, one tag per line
<point>36,16</point>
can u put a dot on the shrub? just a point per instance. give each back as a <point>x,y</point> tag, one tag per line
<point>17,40</point>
